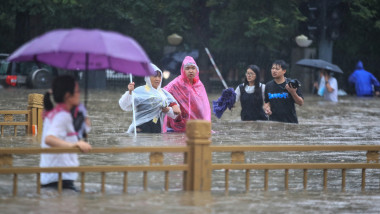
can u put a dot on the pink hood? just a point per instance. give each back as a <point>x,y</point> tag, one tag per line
<point>192,98</point>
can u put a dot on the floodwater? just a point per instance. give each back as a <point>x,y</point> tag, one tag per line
<point>352,121</point>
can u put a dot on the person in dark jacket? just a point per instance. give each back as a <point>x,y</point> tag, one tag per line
<point>363,82</point>
<point>251,95</point>
<point>280,97</point>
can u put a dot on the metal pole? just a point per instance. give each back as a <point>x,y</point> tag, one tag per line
<point>133,107</point>
<point>86,82</point>
<point>216,68</point>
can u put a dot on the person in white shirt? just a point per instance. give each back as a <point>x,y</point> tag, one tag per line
<point>152,104</point>
<point>251,95</point>
<point>331,91</point>
<point>58,131</point>
<point>328,86</point>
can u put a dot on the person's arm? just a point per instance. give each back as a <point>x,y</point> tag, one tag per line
<point>171,113</point>
<point>54,141</point>
<point>59,129</point>
<point>352,79</point>
<point>293,91</point>
<point>316,85</point>
<point>375,83</point>
<point>267,109</point>
<point>237,91</point>
<point>125,101</point>
<point>328,87</point>
<point>263,91</point>
<point>87,122</point>
<point>172,102</point>
<point>175,107</point>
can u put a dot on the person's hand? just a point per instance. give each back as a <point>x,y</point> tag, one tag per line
<point>316,85</point>
<point>290,89</point>
<point>131,87</point>
<point>87,121</point>
<point>377,93</point>
<point>327,77</point>
<point>176,110</point>
<point>83,146</point>
<point>267,110</point>
<point>165,109</point>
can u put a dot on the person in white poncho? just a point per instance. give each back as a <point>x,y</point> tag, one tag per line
<point>152,104</point>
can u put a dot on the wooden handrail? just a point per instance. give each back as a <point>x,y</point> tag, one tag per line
<point>15,123</point>
<point>298,148</point>
<point>137,168</point>
<point>14,111</point>
<point>174,149</point>
<point>139,149</point>
<point>274,166</point>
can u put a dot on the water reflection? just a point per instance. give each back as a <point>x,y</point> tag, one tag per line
<point>352,121</point>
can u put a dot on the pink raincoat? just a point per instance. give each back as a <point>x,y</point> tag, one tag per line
<point>192,98</point>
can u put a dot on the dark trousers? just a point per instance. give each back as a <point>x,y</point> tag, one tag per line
<point>66,184</point>
<point>150,127</point>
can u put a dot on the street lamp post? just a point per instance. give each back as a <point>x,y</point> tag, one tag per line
<point>303,51</point>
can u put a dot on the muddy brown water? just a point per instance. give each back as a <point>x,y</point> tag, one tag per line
<point>352,121</point>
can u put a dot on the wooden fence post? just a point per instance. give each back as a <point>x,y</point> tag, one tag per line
<point>199,159</point>
<point>36,105</point>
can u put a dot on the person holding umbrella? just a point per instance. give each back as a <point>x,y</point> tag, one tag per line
<point>152,104</point>
<point>280,96</point>
<point>328,86</point>
<point>58,131</point>
<point>251,95</point>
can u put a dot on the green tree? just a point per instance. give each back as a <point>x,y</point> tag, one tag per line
<point>254,32</point>
<point>359,38</point>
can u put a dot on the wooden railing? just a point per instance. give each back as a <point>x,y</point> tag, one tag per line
<point>156,157</point>
<point>9,120</point>
<point>197,165</point>
<point>33,116</point>
<point>238,159</point>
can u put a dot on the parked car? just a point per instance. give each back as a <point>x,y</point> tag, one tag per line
<point>30,74</point>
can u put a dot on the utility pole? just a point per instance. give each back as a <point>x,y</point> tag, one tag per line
<point>325,44</point>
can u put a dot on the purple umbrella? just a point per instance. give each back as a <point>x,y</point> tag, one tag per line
<point>81,49</point>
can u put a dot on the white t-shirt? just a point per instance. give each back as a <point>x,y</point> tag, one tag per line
<point>60,125</point>
<point>249,90</point>
<point>333,96</point>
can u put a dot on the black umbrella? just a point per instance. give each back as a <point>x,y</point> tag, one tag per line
<point>320,64</point>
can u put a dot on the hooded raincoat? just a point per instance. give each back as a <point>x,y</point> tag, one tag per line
<point>148,103</point>
<point>363,81</point>
<point>192,98</point>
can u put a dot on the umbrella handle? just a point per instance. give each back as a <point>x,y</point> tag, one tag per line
<point>133,107</point>
<point>216,68</point>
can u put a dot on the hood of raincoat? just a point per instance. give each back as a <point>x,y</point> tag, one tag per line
<point>150,101</point>
<point>187,62</point>
<point>359,66</point>
<point>192,98</point>
<point>147,78</point>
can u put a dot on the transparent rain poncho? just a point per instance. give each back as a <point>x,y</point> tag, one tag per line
<point>192,98</point>
<point>148,103</point>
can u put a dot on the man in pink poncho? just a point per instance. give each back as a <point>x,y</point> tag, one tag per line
<point>191,95</point>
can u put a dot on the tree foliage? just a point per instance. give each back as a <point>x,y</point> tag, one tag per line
<point>238,32</point>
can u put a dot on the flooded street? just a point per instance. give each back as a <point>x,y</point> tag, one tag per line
<point>353,121</point>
